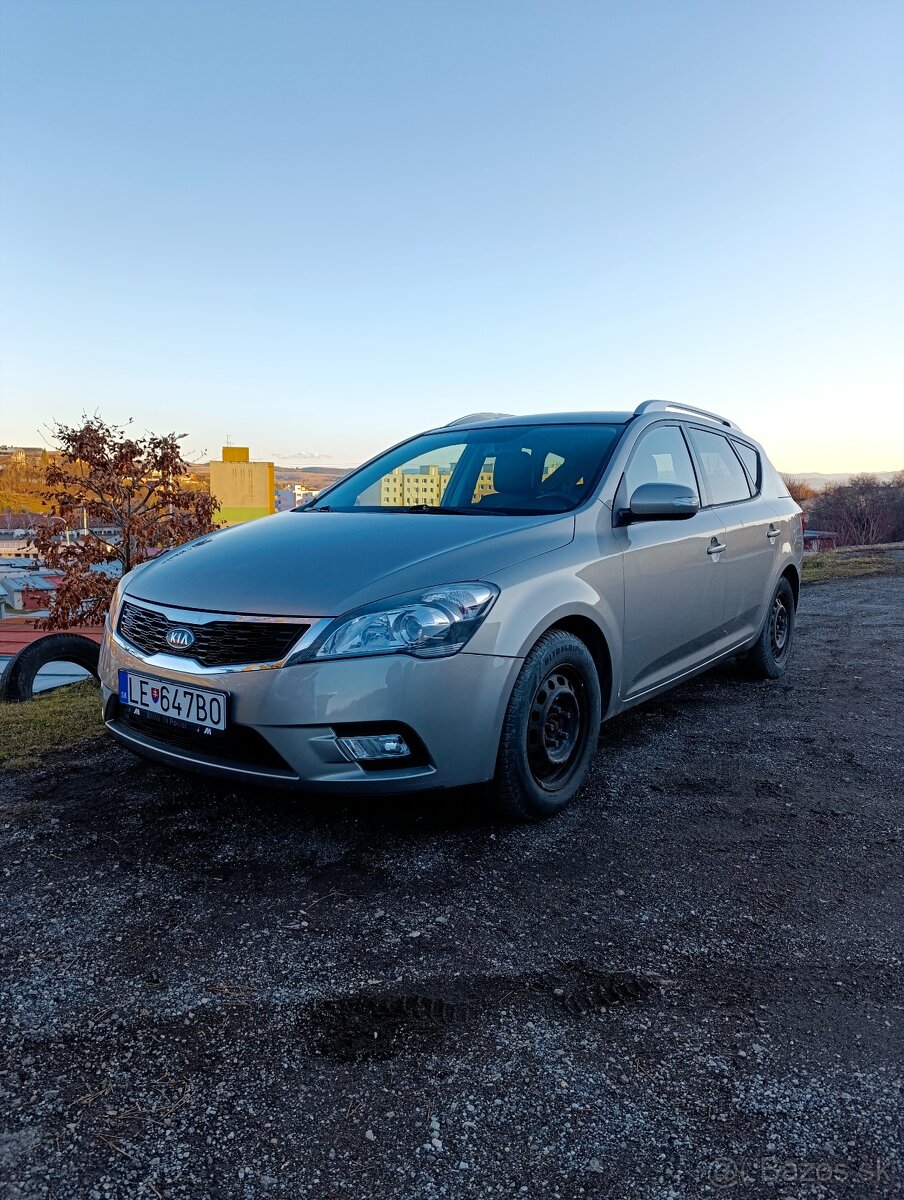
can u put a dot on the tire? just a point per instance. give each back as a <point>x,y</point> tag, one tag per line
<point>549,734</point>
<point>17,681</point>
<point>769,657</point>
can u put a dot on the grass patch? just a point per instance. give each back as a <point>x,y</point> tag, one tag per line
<point>52,721</point>
<point>835,564</point>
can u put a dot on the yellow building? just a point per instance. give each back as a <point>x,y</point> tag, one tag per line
<point>403,487</point>
<point>244,489</point>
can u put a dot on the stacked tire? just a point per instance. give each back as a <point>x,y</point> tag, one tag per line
<point>17,681</point>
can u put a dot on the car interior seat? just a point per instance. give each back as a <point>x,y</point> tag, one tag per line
<point>513,480</point>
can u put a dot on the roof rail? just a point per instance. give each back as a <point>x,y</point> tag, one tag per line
<point>473,418</point>
<point>673,405</point>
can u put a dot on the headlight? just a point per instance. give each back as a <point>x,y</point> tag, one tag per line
<point>428,624</point>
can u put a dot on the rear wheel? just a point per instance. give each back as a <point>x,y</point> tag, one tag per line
<point>770,656</point>
<point>550,729</point>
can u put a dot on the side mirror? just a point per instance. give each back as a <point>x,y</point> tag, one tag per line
<point>663,502</point>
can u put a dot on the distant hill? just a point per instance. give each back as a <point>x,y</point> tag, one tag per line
<point>314,478</point>
<point>819,481</point>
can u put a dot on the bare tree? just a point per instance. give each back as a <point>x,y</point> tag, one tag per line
<point>800,490</point>
<point>135,485</point>
<point>862,512</point>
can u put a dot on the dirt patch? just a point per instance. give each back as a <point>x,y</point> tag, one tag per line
<point>686,984</point>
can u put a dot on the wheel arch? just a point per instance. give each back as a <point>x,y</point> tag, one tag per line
<point>791,574</point>
<point>588,632</point>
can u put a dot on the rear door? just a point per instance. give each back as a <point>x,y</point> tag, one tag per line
<point>674,584</point>
<point>751,530</point>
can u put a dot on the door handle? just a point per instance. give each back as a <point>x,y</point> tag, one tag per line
<point>715,547</point>
<point>772,532</point>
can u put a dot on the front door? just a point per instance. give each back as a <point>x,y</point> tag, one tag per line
<point>674,582</point>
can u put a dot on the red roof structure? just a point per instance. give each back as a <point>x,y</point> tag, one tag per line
<point>18,632</point>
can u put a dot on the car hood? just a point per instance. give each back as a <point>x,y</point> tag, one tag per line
<point>320,564</point>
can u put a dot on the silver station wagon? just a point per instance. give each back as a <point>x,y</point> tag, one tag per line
<point>465,608</point>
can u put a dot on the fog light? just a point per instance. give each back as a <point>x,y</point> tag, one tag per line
<point>370,747</point>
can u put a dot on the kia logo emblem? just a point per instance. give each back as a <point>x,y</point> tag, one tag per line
<point>180,639</point>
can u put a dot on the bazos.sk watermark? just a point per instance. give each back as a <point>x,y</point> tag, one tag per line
<point>738,1172</point>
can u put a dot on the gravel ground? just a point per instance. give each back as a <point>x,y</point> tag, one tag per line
<point>688,985</point>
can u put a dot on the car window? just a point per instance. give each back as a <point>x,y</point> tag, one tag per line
<point>485,485</point>
<point>419,480</point>
<point>521,469</point>
<point>660,456</point>
<point>722,468</point>
<point>486,474</point>
<point>751,461</point>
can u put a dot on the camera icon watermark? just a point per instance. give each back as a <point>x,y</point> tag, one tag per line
<point>724,1173</point>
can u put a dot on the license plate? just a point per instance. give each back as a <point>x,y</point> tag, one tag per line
<point>175,703</point>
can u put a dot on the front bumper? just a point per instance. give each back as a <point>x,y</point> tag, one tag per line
<point>453,706</point>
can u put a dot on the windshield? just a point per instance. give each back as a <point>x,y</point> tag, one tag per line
<point>515,469</point>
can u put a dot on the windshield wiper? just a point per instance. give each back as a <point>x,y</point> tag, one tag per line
<point>472,510</point>
<point>466,511</point>
<point>509,512</point>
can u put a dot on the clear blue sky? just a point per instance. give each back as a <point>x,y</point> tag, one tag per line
<point>317,227</point>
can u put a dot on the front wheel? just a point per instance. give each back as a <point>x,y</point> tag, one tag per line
<point>771,654</point>
<point>550,729</point>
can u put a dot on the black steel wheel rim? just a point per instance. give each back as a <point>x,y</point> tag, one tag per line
<point>557,727</point>
<point>779,628</point>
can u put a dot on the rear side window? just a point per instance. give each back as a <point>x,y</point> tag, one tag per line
<point>721,467</point>
<point>751,461</point>
<point>660,456</point>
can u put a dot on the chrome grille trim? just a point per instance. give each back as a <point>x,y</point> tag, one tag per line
<point>223,641</point>
<point>199,616</point>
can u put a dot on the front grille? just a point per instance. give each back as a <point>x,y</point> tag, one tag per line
<point>239,744</point>
<point>216,644</point>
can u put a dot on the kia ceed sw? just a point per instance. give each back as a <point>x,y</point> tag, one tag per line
<point>465,608</point>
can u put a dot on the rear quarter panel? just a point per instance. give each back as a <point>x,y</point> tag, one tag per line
<point>789,517</point>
